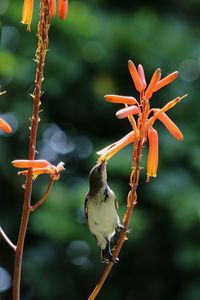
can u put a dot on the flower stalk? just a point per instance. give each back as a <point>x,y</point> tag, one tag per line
<point>43,29</point>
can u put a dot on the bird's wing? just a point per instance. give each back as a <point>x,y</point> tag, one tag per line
<point>114,197</point>
<point>85,207</point>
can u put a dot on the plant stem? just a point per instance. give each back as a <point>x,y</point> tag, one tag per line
<point>131,201</point>
<point>43,28</point>
<point>36,205</point>
<point>6,238</point>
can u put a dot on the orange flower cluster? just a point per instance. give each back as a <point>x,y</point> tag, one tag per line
<point>40,166</point>
<point>27,11</point>
<point>142,117</point>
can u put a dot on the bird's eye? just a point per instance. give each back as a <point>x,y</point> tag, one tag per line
<point>99,168</point>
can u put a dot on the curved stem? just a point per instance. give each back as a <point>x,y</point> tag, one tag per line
<point>131,201</point>
<point>43,198</point>
<point>6,239</point>
<point>43,28</point>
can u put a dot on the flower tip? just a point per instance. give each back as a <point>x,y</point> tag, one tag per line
<point>5,127</point>
<point>149,177</point>
<point>135,76</point>
<point>127,111</point>
<point>27,13</point>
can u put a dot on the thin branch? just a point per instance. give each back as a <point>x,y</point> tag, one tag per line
<point>6,238</point>
<point>43,28</point>
<point>43,198</point>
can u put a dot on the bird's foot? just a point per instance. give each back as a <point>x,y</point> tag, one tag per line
<point>113,259</point>
<point>122,228</point>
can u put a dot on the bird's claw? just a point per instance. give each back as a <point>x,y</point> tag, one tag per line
<point>114,259</point>
<point>123,229</point>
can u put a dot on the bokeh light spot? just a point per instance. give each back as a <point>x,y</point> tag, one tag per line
<point>83,146</point>
<point>5,280</point>
<point>78,252</point>
<point>189,70</point>
<point>9,38</point>
<point>3,6</point>
<point>93,52</point>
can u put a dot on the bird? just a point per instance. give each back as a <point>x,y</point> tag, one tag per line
<point>101,211</point>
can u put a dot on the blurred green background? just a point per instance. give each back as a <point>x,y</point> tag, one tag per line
<point>87,59</point>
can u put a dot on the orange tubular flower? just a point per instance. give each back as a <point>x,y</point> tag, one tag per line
<point>125,112</point>
<point>167,80</point>
<point>27,13</point>
<point>154,80</point>
<point>142,76</point>
<point>62,9</point>
<point>171,127</point>
<point>52,8</point>
<point>112,149</point>
<point>121,99</point>
<point>25,163</point>
<point>139,85</point>
<point>39,167</point>
<point>152,163</point>
<point>139,114</point>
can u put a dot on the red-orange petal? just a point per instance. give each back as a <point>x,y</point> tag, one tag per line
<point>166,80</point>
<point>62,9</point>
<point>25,163</point>
<point>142,76</point>
<point>155,78</point>
<point>152,162</point>
<point>4,126</point>
<point>127,111</point>
<point>121,99</point>
<point>135,76</point>
<point>52,8</point>
<point>170,125</point>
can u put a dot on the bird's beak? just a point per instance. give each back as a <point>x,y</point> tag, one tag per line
<point>103,162</point>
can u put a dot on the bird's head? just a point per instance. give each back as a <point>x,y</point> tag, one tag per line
<point>98,176</point>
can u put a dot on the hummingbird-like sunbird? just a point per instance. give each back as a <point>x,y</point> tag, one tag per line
<point>101,211</point>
